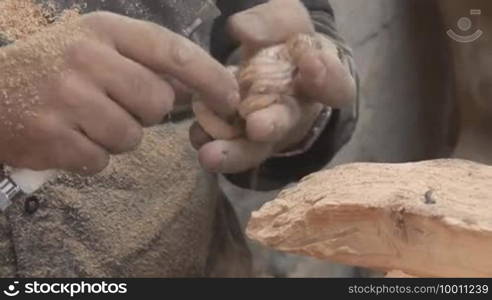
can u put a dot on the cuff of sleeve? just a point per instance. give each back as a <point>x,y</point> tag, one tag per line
<point>275,173</point>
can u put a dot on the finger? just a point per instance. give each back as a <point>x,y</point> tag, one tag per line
<point>168,53</point>
<point>273,123</point>
<point>256,102</point>
<point>135,88</point>
<point>215,126</point>
<point>323,78</point>
<point>198,136</point>
<point>270,23</point>
<point>97,116</point>
<point>183,94</point>
<point>233,156</point>
<point>55,145</point>
<point>80,155</point>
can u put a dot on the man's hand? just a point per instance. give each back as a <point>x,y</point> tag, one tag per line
<point>70,96</point>
<point>321,79</point>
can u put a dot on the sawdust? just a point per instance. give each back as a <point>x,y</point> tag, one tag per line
<point>120,221</point>
<point>22,18</point>
<point>35,53</point>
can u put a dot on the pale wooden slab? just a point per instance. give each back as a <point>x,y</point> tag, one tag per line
<point>429,218</point>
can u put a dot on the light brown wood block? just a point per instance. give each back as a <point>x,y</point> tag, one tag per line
<point>430,218</point>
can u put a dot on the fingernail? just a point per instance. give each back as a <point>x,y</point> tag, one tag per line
<point>233,102</point>
<point>227,108</point>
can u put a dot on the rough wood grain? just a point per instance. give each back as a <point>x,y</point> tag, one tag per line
<point>429,218</point>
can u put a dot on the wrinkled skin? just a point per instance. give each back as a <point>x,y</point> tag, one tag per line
<point>72,95</point>
<point>266,79</point>
<point>321,78</point>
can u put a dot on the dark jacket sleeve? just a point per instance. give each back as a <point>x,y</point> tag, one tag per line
<point>278,172</point>
<point>222,45</point>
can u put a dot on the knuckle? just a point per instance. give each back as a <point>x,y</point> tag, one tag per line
<point>65,90</point>
<point>294,14</point>
<point>96,19</point>
<point>164,97</point>
<point>154,98</point>
<point>138,85</point>
<point>240,24</point>
<point>101,25</point>
<point>81,53</point>
<point>181,51</point>
<point>43,130</point>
